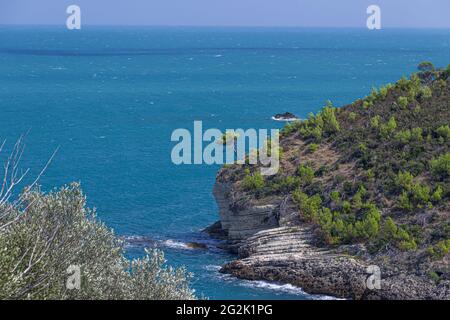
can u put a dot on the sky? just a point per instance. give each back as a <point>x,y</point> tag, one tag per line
<point>269,13</point>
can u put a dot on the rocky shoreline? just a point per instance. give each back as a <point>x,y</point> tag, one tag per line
<point>273,245</point>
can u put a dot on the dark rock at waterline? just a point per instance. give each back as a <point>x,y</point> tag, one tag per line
<point>197,245</point>
<point>215,230</point>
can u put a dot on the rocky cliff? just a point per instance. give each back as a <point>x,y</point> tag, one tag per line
<point>355,194</point>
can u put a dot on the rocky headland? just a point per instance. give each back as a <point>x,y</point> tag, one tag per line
<point>355,194</point>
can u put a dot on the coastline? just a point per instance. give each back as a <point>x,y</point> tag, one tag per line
<point>262,234</point>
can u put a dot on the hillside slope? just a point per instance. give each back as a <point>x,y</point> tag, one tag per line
<point>364,184</point>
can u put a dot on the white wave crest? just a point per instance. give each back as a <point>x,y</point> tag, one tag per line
<point>175,244</point>
<point>272,286</point>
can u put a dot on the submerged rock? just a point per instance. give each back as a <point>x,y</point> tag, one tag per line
<point>215,230</point>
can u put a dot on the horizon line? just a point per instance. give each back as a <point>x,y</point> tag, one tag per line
<point>224,26</point>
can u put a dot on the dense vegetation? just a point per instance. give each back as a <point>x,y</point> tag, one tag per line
<point>376,172</point>
<point>46,238</point>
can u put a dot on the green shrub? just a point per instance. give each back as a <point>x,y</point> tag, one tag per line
<point>383,92</point>
<point>335,196</point>
<point>402,102</point>
<point>287,184</point>
<point>391,233</point>
<point>312,128</point>
<point>415,82</point>
<point>346,207</point>
<point>253,182</point>
<point>291,127</point>
<point>403,137</point>
<point>362,148</point>
<point>359,197</point>
<point>337,229</point>
<point>370,174</point>
<point>417,109</point>
<point>367,104</point>
<point>403,83</point>
<point>420,194</point>
<point>440,249</point>
<point>404,180</point>
<point>444,131</point>
<point>374,94</point>
<point>309,206</point>
<point>387,129</point>
<point>437,194</point>
<point>369,226</point>
<point>333,227</point>
<point>442,84</point>
<point>404,202</point>
<point>434,276</point>
<point>414,194</point>
<point>330,123</point>
<point>306,174</point>
<point>317,133</point>
<point>425,92</point>
<point>375,122</point>
<point>440,166</point>
<point>352,116</point>
<point>417,134</point>
<point>313,147</point>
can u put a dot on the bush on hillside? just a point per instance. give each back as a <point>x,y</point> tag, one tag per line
<point>440,166</point>
<point>253,182</point>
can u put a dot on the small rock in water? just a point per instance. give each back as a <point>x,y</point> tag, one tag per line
<point>287,116</point>
<point>196,245</point>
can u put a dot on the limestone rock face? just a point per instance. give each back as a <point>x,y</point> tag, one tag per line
<point>241,223</point>
<point>286,255</point>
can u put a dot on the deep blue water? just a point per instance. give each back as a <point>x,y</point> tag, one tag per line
<point>110,98</point>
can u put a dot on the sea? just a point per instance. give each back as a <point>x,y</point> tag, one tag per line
<point>110,97</point>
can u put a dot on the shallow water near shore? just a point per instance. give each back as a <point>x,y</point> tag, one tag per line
<point>110,97</point>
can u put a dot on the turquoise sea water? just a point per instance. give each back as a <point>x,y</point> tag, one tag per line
<point>110,97</point>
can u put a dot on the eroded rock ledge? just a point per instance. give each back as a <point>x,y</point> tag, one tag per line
<point>273,245</point>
